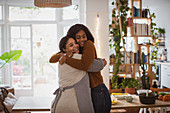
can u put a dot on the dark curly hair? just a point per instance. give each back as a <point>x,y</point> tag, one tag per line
<point>63,42</point>
<point>76,28</point>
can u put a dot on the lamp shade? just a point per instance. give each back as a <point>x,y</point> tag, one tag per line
<point>52,3</point>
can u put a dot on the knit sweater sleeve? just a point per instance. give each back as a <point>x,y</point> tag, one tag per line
<point>86,60</point>
<point>55,58</point>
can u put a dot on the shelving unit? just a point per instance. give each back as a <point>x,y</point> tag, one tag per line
<point>138,27</point>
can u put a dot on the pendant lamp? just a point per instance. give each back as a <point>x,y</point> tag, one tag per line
<point>52,3</point>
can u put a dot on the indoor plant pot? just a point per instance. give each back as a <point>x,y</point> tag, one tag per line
<point>129,84</point>
<point>150,99</point>
<point>115,91</point>
<point>130,90</point>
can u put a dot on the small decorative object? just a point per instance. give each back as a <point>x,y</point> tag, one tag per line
<point>146,13</point>
<point>112,59</point>
<point>52,3</point>
<point>113,99</point>
<point>129,99</point>
<point>147,99</point>
<point>154,85</point>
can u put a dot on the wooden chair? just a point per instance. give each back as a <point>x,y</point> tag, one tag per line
<point>2,98</point>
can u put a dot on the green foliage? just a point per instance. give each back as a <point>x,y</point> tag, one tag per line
<point>145,81</point>
<point>161,30</point>
<point>114,82</point>
<point>115,32</point>
<point>129,83</point>
<point>154,30</point>
<point>8,57</point>
<point>112,56</point>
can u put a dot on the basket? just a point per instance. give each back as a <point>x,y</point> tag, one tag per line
<point>150,99</point>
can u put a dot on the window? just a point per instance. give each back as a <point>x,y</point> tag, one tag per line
<point>0,12</point>
<point>30,13</point>
<point>71,12</point>
<point>37,31</point>
<point>21,69</point>
<point>0,52</point>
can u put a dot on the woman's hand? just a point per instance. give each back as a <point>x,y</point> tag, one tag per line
<point>69,53</point>
<point>64,55</point>
<point>62,58</point>
<point>105,62</point>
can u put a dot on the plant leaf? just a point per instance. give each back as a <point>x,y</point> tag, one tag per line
<point>13,55</point>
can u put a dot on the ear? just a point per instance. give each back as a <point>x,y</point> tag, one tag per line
<point>64,50</point>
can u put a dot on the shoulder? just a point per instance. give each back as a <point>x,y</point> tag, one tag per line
<point>76,56</point>
<point>89,43</point>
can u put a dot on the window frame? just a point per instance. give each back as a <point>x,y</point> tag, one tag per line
<point>6,41</point>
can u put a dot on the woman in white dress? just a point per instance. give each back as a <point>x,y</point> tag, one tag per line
<point>74,93</point>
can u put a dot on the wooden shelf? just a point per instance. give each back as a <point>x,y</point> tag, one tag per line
<point>160,90</point>
<point>145,44</point>
<point>141,18</point>
<point>137,0</point>
<point>122,73</point>
<point>141,36</point>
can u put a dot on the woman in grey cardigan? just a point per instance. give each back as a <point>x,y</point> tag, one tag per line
<point>73,94</point>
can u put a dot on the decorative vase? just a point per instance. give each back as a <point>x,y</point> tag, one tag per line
<point>129,99</point>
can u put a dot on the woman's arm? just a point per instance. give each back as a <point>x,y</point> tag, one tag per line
<point>55,58</point>
<point>87,59</point>
<point>96,66</point>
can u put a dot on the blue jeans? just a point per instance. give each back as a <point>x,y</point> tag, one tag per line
<point>101,99</point>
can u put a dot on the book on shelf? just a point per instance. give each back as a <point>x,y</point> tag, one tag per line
<point>135,12</point>
<point>142,29</point>
<point>134,58</point>
<point>129,21</point>
<point>128,59</point>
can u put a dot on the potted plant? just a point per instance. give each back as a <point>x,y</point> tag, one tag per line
<point>129,85</point>
<point>115,86</point>
<point>161,32</point>
<point>145,80</point>
<point>8,57</point>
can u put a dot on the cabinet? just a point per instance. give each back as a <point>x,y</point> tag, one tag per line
<point>138,40</point>
<point>165,75</point>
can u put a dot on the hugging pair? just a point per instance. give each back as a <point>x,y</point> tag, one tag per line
<point>81,88</point>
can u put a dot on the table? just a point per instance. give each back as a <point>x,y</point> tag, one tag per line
<point>122,104</point>
<point>32,104</point>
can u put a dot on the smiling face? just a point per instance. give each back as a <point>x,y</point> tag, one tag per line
<point>71,45</point>
<point>81,38</point>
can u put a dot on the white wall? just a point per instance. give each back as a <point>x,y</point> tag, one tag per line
<point>100,7</point>
<point>161,10</point>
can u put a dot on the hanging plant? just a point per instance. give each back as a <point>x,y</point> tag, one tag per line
<point>116,34</point>
<point>154,34</point>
